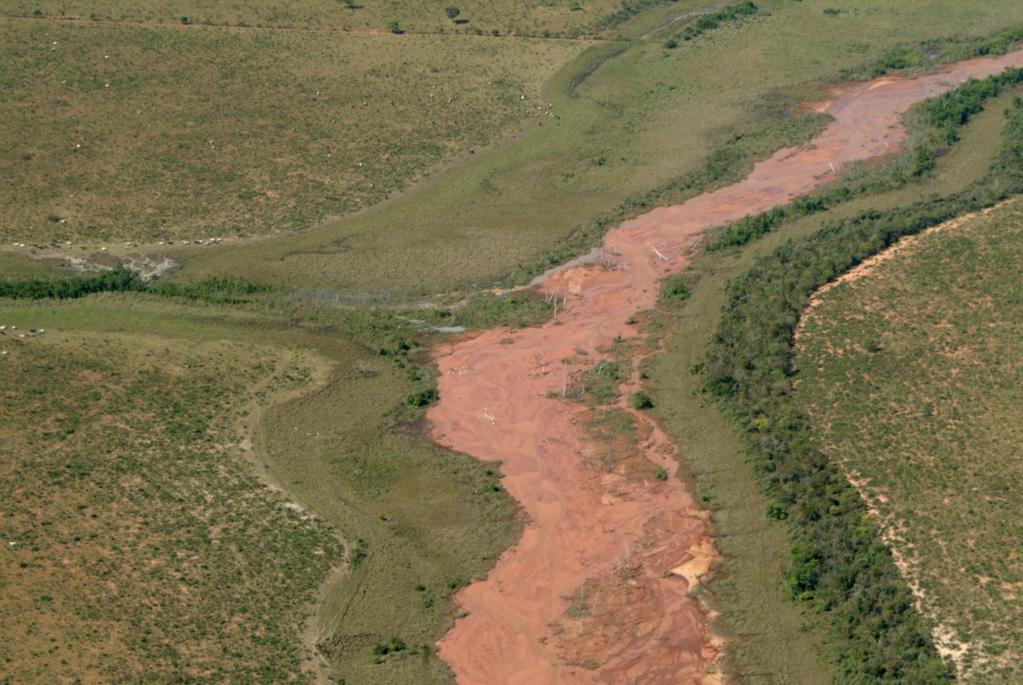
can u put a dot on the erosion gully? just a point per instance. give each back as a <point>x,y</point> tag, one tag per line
<point>598,589</point>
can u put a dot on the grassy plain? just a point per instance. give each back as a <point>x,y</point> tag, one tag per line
<point>112,132</point>
<point>912,375</point>
<point>757,614</point>
<point>418,521</point>
<point>427,521</point>
<point>516,18</point>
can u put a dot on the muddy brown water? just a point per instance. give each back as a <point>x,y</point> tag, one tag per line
<point>631,549</point>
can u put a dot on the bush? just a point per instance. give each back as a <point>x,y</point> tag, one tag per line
<point>640,400</point>
<point>452,12</point>
<point>674,289</point>
<point>394,27</point>
<point>709,22</point>
<point>395,644</point>
<point>423,397</point>
<point>221,290</point>
<point>116,280</point>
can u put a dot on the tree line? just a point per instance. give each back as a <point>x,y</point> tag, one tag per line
<point>122,279</point>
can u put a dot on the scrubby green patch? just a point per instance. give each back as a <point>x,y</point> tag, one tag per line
<point>911,376</point>
<point>119,280</point>
<point>931,53</point>
<point>427,521</point>
<point>712,20</point>
<point>220,290</point>
<point>674,289</point>
<point>601,382</point>
<point>489,310</point>
<point>137,545</point>
<point>839,565</point>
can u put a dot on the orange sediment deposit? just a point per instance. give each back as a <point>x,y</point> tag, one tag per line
<point>598,590</point>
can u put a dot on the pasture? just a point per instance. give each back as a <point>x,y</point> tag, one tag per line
<point>137,543</point>
<point>116,132</point>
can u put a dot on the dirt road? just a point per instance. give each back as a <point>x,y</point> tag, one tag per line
<point>596,589</point>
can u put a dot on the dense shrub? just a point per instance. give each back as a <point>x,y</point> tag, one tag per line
<point>934,52</point>
<point>709,22</point>
<point>674,289</point>
<point>423,398</point>
<point>839,565</point>
<point>215,289</point>
<point>224,290</point>
<point>69,288</point>
<point>640,400</point>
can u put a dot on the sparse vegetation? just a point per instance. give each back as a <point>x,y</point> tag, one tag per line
<point>163,556</point>
<point>340,123</point>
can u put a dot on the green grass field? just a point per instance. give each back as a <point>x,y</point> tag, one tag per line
<point>138,545</point>
<point>559,18</point>
<point>136,397</point>
<point>912,377</point>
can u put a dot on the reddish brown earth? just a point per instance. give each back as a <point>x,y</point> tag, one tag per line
<point>596,591</point>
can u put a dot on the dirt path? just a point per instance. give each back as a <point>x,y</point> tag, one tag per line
<point>636,547</point>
